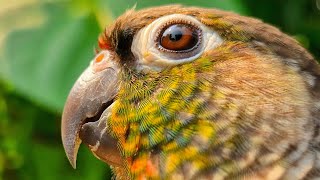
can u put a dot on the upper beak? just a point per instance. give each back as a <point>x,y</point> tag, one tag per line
<point>92,94</point>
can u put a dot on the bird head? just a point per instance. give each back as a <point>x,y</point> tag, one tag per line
<point>188,92</point>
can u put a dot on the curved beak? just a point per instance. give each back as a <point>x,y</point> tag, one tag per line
<point>87,109</point>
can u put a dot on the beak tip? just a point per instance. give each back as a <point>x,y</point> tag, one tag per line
<point>71,143</point>
<point>71,153</point>
<point>73,162</point>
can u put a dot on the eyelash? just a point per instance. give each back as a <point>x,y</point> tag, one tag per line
<point>172,22</point>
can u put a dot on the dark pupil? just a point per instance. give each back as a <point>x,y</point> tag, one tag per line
<point>176,35</point>
<point>179,37</point>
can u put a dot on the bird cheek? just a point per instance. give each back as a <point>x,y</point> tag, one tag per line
<point>149,62</point>
<point>148,57</point>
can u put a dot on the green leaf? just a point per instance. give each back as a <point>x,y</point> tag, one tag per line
<point>43,62</point>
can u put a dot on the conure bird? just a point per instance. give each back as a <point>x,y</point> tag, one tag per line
<point>191,93</point>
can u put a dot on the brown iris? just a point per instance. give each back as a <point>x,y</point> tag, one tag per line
<point>179,37</point>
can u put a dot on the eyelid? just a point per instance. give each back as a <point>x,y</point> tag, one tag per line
<point>183,54</point>
<point>164,28</point>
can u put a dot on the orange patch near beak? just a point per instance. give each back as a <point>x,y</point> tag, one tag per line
<point>102,61</point>
<point>99,58</point>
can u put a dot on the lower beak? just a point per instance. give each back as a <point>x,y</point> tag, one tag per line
<point>87,109</point>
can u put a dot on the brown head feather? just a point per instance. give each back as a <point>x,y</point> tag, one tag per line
<point>230,25</point>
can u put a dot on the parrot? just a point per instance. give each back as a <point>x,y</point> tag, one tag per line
<point>177,92</point>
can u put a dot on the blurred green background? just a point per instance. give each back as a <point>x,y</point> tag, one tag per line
<point>45,45</point>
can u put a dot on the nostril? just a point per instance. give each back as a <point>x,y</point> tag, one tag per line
<point>99,58</point>
<point>102,61</point>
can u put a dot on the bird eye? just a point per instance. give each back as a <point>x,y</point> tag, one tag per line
<point>179,37</point>
<point>171,40</point>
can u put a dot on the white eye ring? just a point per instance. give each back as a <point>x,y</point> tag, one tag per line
<point>149,56</point>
